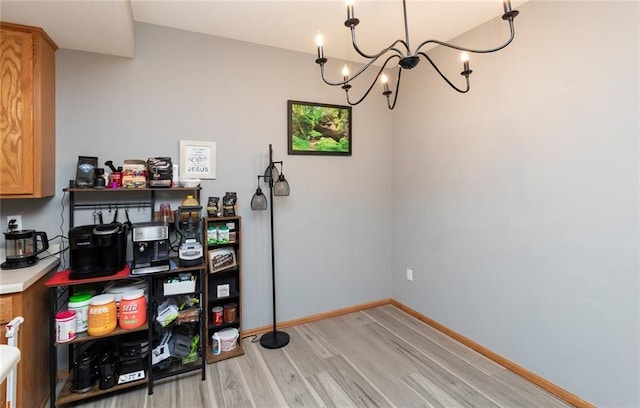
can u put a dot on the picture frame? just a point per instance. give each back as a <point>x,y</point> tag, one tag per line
<point>318,129</point>
<point>221,259</point>
<point>197,159</point>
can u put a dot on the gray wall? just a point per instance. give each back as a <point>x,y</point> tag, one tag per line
<point>515,205</point>
<point>332,233</point>
<point>518,202</point>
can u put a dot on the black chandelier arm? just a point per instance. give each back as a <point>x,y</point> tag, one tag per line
<point>444,77</point>
<point>475,51</point>
<point>372,83</point>
<point>357,74</point>
<point>395,97</point>
<point>392,47</point>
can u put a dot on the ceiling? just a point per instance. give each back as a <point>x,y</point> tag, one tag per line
<point>107,26</point>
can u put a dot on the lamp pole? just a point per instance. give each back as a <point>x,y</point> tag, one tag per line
<point>274,339</point>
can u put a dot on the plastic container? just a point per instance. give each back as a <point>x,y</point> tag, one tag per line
<point>228,339</point>
<point>65,326</point>
<point>102,315</point>
<point>215,344</point>
<point>133,310</point>
<point>79,303</point>
<point>223,234</point>
<point>118,288</point>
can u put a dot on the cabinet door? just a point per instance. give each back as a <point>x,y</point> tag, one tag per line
<point>16,112</point>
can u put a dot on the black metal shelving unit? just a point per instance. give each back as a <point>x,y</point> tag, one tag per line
<point>62,288</point>
<point>157,296</point>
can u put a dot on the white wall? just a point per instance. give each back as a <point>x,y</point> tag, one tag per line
<point>519,202</point>
<point>332,234</point>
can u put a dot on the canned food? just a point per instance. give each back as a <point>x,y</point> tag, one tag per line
<point>217,313</point>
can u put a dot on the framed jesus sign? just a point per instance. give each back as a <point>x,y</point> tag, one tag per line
<point>197,159</point>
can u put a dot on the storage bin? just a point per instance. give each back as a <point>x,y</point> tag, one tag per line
<point>179,288</point>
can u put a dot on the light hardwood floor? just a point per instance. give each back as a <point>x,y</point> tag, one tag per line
<point>380,357</point>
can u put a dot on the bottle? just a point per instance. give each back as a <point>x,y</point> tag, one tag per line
<point>190,201</point>
<point>215,344</point>
<point>99,181</point>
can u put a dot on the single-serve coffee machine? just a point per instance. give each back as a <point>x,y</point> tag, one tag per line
<point>97,250</point>
<point>150,248</point>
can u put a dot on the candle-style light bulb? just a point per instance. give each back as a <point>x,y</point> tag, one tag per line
<point>319,42</point>
<point>349,9</point>
<point>464,57</point>
<point>384,80</point>
<point>345,72</point>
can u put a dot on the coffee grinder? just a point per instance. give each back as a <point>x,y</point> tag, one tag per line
<point>188,223</point>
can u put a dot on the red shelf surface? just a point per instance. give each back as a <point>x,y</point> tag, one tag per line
<point>62,278</point>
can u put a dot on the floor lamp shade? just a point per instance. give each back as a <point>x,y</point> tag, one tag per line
<point>282,187</point>
<point>259,201</point>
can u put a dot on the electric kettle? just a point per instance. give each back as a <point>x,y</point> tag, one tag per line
<point>22,249</point>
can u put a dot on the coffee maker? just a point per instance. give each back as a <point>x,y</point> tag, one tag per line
<point>150,247</point>
<point>97,250</point>
<point>188,223</point>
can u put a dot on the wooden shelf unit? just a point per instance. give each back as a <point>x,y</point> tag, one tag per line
<point>221,277</point>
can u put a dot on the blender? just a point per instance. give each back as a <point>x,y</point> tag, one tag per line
<point>189,225</point>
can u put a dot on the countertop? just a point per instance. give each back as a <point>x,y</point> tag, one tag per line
<point>19,280</point>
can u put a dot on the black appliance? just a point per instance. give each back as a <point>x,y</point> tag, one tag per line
<point>188,223</point>
<point>150,248</point>
<point>134,352</point>
<point>21,248</point>
<point>97,250</point>
<point>107,367</point>
<point>85,373</point>
<point>86,367</point>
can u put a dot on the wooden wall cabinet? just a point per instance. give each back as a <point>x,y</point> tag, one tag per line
<point>27,112</point>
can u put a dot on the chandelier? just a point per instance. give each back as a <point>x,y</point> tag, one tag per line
<point>400,50</point>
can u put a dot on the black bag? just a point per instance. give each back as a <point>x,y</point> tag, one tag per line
<point>85,172</point>
<point>159,171</point>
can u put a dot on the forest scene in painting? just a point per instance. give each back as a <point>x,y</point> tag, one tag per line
<point>317,128</point>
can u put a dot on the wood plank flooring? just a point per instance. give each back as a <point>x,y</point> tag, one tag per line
<point>380,357</point>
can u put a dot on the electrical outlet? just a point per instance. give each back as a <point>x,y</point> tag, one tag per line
<point>410,275</point>
<point>14,222</point>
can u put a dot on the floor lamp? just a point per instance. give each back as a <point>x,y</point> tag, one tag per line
<point>278,186</point>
